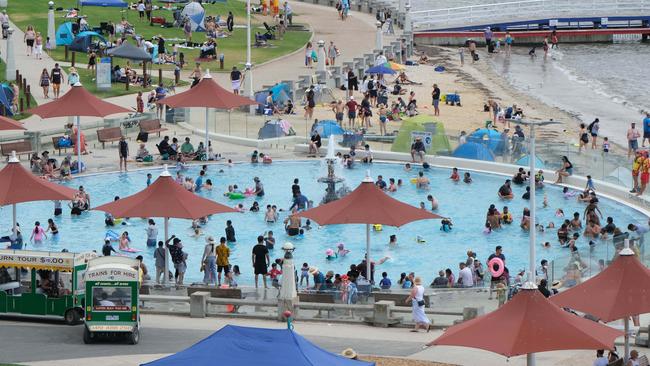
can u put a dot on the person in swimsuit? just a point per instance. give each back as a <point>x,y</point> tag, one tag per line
<point>38,234</point>
<point>51,227</point>
<point>293,223</point>
<point>56,77</point>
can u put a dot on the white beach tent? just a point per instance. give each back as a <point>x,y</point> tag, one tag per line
<point>196,14</point>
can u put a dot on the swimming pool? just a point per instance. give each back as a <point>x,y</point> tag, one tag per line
<point>465,204</point>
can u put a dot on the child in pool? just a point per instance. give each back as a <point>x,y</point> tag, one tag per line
<point>197,232</point>
<point>446,225</point>
<point>304,274</point>
<point>330,254</point>
<point>568,194</point>
<point>546,244</point>
<point>341,250</point>
<point>506,216</point>
<point>393,240</point>
<point>230,164</point>
<point>454,175</point>
<point>488,228</point>
<point>545,203</point>
<point>38,234</point>
<point>125,241</point>
<point>467,178</point>
<point>559,212</point>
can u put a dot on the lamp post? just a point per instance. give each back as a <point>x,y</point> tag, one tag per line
<point>408,27</point>
<point>322,63</point>
<point>51,25</point>
<point>530,358</point>
<point>379,43</point>
<point>249,65</point>
<point>10,72</point>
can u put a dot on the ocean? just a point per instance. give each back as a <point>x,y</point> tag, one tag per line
<point>605,81</point>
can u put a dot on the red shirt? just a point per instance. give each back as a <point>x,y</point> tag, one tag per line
<point>140,104</point>
<point>352,106</point>
<point>274,272</point>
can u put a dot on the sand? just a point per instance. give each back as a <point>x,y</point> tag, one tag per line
<point>389,361</point>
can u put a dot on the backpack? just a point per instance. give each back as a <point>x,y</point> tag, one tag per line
<point>371,85</point>
<point>591,126</point>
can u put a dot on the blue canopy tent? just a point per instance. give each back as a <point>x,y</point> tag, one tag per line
<point>474,151</point>
<point>280,93</point>
<point>6,97</point>
<point>105,3</point>
<point>487,136</point>
<point>523,161</point>
<point>326,128</point>
<point>381,69</point>
<point>83,41</point>
<point>246,346</point>
<point>64,34</point>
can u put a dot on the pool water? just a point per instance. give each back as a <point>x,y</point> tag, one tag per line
<point>465,204</point>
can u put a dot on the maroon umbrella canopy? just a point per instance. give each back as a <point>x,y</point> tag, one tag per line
<point>7,124</point>
<point>529,323</point>
<point>367,204</point>
<point>208,94</point>
<point>77,102</point>
<point>164,198</point>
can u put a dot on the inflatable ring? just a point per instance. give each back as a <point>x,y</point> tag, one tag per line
<point>236,196</point>
<point>414,180</point>
<point>117,221</point>
<point>501,267</point>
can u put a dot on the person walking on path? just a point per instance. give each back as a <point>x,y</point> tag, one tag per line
<point>124,153</point>
<point>332,52</point>
<point>646,129</point>
<point>38,46</point>
<point>632,139</point>
<point>29,37</point>
<point>416,298</point>
<point>45,83</point>
<point>435,96</point>
<point>260,259</point>
<point>309,49</point>
<point>56,77</point>
<point>593,131</point>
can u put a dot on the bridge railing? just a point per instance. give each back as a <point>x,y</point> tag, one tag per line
<point>525,10</point>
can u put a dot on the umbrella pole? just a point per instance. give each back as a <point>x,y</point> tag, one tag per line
<point>78,145</point>
<point>530,359</point>
<point>165,277</point>
<point>13,228</point>
<point>207,134</point>
<point>368,262</point>
<point>626,356</point>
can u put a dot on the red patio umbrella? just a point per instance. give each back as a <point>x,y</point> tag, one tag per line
<point>622,290</point>
<point>18,185</point>
<point>7,124</point>
<point>207,93</point>
<point>77,102</point>
<point>367,204</point>
<point>164,198</point>
<point>529,323</point>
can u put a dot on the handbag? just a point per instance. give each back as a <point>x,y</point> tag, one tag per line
<point>421,303</point>
<point>202,267</point>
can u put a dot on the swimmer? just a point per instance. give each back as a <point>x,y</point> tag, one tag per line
<point>422,206</point>
<point>525,219</point>
<point>341,250</point>
<point>407,167</point>
<point>539,227</point>
<point>330,254</point>
<point>425,166</point>
<point>550,225</point>
<point>422,182</point>
<point>576,223</point>
<point>392,241</point>
<point>240,208</point>
<point>467,178</point>
<point>539,179</point>
<point>197,232</point>
<point>568,194</point>
<point>454,175</point>
<point>125,241</point>
<point>545,203</point>
<point>505,192</point>
<point>307,225</point>
<point>229,191</point>
<point>400,183</point>
<point>506,216</point>
<point>434,202</point>
<point>559,212</point>
<point>446,225</point>
<point>230,164</point>
<point>208,185</point>
<point>270,216</point>
<point>391,185</point>
<point>546,244</point>
<point>255,207</point>
<point>488,228</point>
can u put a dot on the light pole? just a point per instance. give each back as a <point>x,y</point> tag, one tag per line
<point>379,43</point>
<point>10,71</point>
<point>408,27</point>
<point>249,65</point>
<point>51,25</point>
<point>530,358</point>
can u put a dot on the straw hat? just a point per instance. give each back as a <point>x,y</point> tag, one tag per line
<point>313,270</point>
<point>349,353</point>
<point>72,69</point>
<point>209,240</point>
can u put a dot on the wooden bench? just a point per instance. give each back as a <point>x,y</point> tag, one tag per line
<point>23,147</point>
<point>322,297</point>
<point>55,143</point>
<point>151,126</point>
<point>110,134</point>
<point>224,293</point>
<point>397,298</point>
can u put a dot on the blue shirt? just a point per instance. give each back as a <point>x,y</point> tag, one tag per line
<point>198,183</point>
<point>319,278</point>
<point>646,124</point>
<point>385,283</point>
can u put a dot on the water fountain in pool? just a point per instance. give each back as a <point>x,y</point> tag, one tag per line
<point>331,193</point>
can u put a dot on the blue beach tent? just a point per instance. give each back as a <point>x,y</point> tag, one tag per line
<point>524,161</point>
<point>280,93</point>
<point>246,346</point>
<point>487,136</point>
<point>381,69</point>
<point>83,41</point>
<point>105,3</point>
<point>474,151</point>
<point>326,128</point>
<point>6,97</point>
<point>64,35</point>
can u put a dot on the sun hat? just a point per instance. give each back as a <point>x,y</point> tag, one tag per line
<point>313,270</point>
<point>209,240</point>
<point>349,353</point>
<point>344,277</point>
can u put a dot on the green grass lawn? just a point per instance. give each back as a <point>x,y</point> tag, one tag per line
<point>87,78</point>
<point>34,12</point>
<point>3,68</point>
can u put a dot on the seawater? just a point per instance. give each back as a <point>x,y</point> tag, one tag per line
<point>465,204</point>
<point>605,81</point>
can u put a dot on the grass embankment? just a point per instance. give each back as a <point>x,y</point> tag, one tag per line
<point>34,12</point>
<point>32,101</point>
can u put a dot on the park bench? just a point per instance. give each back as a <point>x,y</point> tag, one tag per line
<point>55,143</point>
<point>321,297</point>
<point>23,147</point>
<point>397,298</point>
<point>110,134</point>
<point>224,293</point>
<point>152,126</point>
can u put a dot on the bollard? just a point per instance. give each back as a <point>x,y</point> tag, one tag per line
<point>177,78</point>
<point>28,95</point>
<point>221,60</point>
<point>66,53</point>
<point>21,105</point>
<point>24,84</point>
<point>18,75</point>
<point>73,58</point>
<point>198,304</point>
<point>127,83</point>
<point>160,77</point>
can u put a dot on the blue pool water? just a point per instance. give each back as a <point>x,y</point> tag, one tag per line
<point>466,204</point>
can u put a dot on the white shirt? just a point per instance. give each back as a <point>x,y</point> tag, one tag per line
<point>465,275</point>
<point>141,7</point>
<point>380,60</point>
<point>601,361</point>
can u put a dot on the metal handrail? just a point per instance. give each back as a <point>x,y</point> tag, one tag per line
<point>527,9</point>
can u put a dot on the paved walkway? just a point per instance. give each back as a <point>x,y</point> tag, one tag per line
<point>353,37</point>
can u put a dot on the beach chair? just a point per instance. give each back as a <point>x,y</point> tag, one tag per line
<point>270,31</point>
<point>643,360</point>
